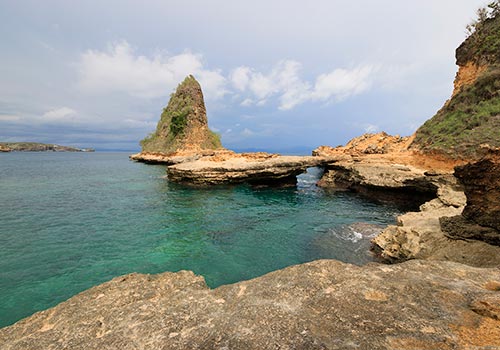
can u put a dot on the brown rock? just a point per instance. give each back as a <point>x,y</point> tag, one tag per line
<point>419,235</point>
<point>481,181</point>
<point>320,305</point>
<point>257,169</point>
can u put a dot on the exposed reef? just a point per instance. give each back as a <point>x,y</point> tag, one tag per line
<point>325,304</point>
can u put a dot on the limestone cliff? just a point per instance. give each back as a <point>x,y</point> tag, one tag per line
<point>183,125</point>
<point>472,116</point>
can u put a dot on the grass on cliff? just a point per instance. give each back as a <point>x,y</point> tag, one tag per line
<point>472,116</point>
<point>483,44</point>
<point>469,119</point>
<point>174,122</point>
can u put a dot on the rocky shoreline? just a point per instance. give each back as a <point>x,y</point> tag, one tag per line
<point>440,290</point>
<point>324,304</point>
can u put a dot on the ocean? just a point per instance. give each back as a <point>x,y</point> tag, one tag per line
<point>69,221</point>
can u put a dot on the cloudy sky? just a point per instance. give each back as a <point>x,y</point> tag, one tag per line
<point>277,75</point>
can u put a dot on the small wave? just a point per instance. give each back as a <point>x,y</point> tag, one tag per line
<point>346,234</point>
<point>309,178</point>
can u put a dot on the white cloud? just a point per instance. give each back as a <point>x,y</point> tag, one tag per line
<point>139,123</point>
<point>120,69</point>
<point>240,78</point>
<point>246,102</point>
<point>9,118</point>
<point>285,83</point>
<point>59,114</point>
<point>342,83</point>
<point>370,128</point>
<point>247,132</point>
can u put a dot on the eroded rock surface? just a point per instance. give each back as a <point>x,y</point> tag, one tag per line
<point>253,168</point>
<point>481,217</point>
<point>481,181</point>
<point>419,235</point>
<point>380,178</point>
<point>325,304</point>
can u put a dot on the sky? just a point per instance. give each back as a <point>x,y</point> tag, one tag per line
<point>282,76</point>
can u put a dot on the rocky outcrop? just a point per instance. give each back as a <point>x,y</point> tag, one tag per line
<point>176,157</point>
<point>481,216</point>
<point>380,178</point>
<point>253,168</point>
<point>419,235</point>
<point>325,304</point>
<point>183,126</point>
<point>5,149</point>
<point>467,75</point>
<point>472,116</point>
<point>379,143</point>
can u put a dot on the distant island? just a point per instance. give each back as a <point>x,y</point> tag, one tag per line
<point>39,147</point>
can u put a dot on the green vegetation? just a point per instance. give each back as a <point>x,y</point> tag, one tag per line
<point>472,116</point>
<point>483,44</point>
<point>184,114</point>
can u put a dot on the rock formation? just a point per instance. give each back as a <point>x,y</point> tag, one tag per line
<point>472,116</point>
<point>253,168</point>
<point>379,143</point>
<point>5,149</point>
<point>418,235</point>
<point>324,304</point>
<point>183,126</point>
<point>481,216</point>
<point>378,175</point>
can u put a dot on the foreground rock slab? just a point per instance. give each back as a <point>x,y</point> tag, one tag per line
<point>325,304</point>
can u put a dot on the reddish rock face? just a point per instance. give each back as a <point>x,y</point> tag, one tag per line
<point>481,182</point>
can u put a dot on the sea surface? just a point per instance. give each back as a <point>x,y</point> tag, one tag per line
<point>69,221</point>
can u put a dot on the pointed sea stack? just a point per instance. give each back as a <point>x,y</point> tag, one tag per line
<point>183,128</point>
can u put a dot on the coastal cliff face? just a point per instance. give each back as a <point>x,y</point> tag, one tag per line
<point>480,219</point>
<point>472,116</point>
<point>324,304</point>
<point>183,126</point>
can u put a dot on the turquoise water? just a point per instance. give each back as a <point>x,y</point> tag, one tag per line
<point>69,221</point>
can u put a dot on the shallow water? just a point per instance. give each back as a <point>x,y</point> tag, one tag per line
<point>69,221</point>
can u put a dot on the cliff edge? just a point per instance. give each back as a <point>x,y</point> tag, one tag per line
<point>471,117</point>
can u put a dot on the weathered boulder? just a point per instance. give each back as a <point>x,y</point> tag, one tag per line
<point>325,304</point>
